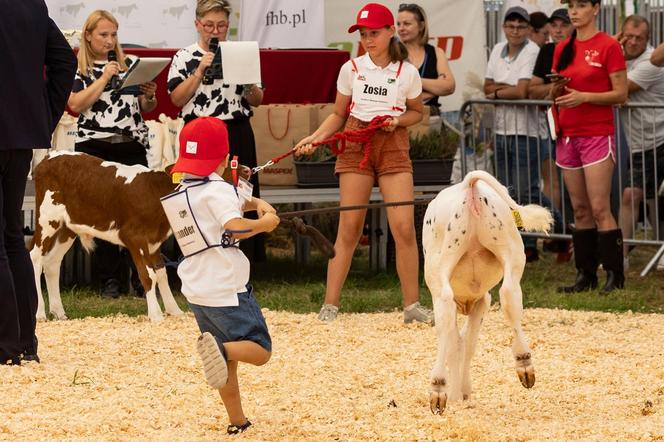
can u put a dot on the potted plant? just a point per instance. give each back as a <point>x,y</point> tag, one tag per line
<point>432,154</point>
<point>317,169</point>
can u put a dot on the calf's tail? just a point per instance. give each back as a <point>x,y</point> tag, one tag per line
<point>533,218</point>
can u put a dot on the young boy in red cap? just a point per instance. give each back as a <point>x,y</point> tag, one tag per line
<point>215,272</point>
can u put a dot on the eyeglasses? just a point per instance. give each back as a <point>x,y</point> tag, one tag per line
<point>210,27</point>
<point>515,28</point>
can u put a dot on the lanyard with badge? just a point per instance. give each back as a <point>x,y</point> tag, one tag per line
<point>372,87</point>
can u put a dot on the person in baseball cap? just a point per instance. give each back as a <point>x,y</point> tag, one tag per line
<point>517,13</point>
<point>203,146</point>
<point>372,16</point>
<point>560,26</point>
<point>560,14</point>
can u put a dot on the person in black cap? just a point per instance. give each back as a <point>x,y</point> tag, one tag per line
<point>560,28</point>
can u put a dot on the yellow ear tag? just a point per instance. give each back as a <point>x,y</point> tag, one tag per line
<point>177,177</point>
<point>517,218</point>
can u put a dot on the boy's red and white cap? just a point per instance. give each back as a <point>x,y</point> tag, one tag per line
<point>203,146</point>
<point>373,16</point>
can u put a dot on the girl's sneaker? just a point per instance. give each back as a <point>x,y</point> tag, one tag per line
<point>214,363</point>
<point>417,313</point>
<point>328,313</point>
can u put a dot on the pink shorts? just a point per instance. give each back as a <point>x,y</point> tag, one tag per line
<point>578,152</point>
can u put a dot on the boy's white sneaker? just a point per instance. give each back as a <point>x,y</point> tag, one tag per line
<point>214,363</point>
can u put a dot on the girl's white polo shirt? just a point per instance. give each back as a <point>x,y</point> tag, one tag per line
<point>409,86</point>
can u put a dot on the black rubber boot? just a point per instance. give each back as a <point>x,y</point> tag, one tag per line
<point>585,259</point>
<point>611,256</point>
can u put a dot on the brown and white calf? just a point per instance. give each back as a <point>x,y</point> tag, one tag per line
<point>471,242</point>
<point>81,195</point>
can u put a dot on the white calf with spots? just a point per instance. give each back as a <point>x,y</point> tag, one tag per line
<point>81,195</point>
<point>471,242</point>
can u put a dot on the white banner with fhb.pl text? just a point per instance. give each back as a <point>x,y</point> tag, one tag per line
<point>283,23</point>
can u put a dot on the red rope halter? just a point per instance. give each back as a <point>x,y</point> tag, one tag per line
<point>362,136</point>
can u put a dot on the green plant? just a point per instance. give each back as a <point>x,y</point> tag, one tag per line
<point>321,154</point>
<point>434,145</point>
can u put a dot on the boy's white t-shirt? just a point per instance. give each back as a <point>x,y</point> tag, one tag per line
<point>410,86</point>
<point>214,277</point>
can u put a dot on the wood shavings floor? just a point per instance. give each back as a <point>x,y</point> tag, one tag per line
<point>600,376</point>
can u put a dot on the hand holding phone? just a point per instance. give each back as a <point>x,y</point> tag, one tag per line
<point>554,76</point>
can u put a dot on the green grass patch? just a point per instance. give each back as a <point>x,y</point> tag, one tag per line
<point>282,284</point>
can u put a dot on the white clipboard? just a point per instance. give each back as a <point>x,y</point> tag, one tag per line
<point>143,70</point>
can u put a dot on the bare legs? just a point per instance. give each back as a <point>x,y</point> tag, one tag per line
<point>240,351</point>
<point>355,189</point>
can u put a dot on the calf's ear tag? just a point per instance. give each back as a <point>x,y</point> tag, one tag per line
<point>517,218</point>
<point>177,177</point>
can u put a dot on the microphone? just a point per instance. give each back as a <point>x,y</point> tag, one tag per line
<point>208,76</point>
<point>112,56</point>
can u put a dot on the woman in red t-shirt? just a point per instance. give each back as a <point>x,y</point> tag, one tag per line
<point>594,78</point>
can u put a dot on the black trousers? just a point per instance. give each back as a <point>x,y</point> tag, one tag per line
<point>110,262</point>
<point>18,294</point>
<point>242,143</point>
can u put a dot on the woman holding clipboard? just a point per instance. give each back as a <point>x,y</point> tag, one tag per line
<point>110,125</point>
<point>196,85</point>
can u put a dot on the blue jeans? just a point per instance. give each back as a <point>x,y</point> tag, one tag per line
<point>229,324</point>
<point>518,162</point>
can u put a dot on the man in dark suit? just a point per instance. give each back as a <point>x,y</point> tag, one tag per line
<point>36,75</point>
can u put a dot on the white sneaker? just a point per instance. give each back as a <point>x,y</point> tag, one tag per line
<point>328,313</point>
<point>417,313</point>
<point>214,363</point>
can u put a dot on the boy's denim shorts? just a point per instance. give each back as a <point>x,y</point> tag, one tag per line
<point>230,324</point>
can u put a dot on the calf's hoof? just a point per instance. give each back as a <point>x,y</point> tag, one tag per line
<point>526,376</point>
<point>437,396</point>
<point>174,312</point>
<point>156,317</point>
<point>437,402</point>
<point>60,316</point>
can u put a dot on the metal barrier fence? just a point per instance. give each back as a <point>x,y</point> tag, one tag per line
<point>510,139</point>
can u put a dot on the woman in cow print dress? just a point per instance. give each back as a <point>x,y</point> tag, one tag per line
<point>110,125</point>
<point>228,102</point>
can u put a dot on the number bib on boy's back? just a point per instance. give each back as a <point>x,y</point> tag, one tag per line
<point>373,88</point>
<point>185,228</point>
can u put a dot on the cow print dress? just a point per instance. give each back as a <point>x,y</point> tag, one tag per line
<point>226,102</point>
<point>113,113</point>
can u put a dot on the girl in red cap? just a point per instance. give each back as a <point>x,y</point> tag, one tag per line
<point>379,83</point>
